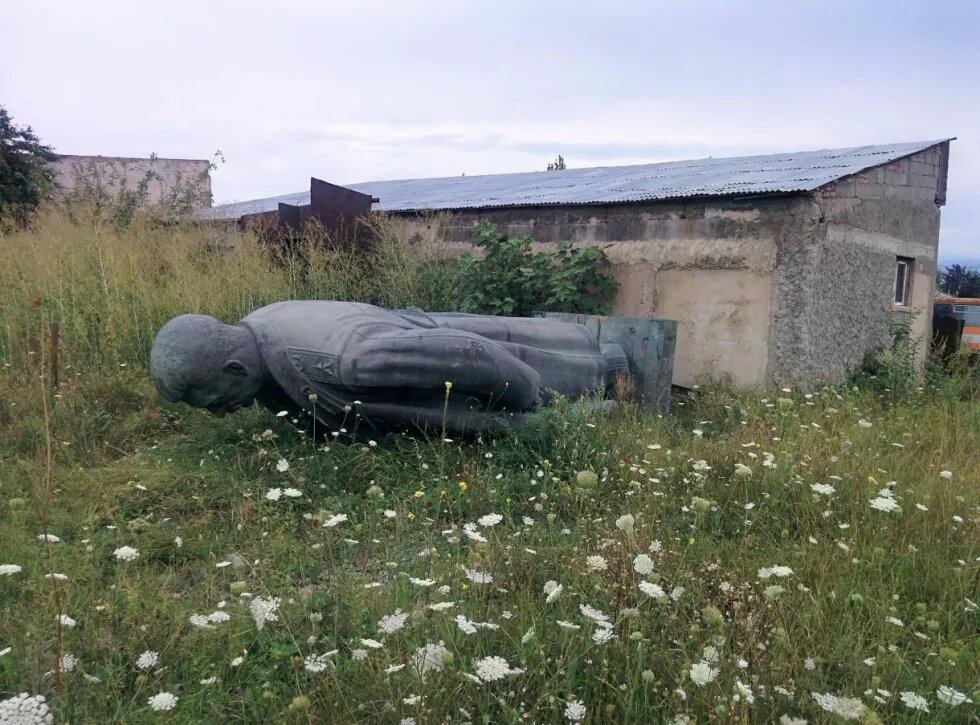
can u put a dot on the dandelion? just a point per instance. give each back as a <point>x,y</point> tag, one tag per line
<point>490,520</point>
<point>25,709</point>
<point>317,663</point>
<point>625,524</point>
<point>283,465</point>
<point>951,697</point>
<point>391,623</point>
<point>552,590</point>
<point>430,657</point>
<point>147,660</point>
<point>334,521</point>
<point>10,569</point>
<point>702,673</point>
<point>848,708</point>
<point>494,668</point>
<point>126,553</point>
<point>163,701</point>
<point>643,565</point>
<point>596,563</point>
<point>652,590</point>
<point>575,711</point>
<point>264,610</point>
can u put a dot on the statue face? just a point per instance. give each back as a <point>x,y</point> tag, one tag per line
<point>233,387</point>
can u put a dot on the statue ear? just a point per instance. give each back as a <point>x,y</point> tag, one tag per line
<point>236,368</point>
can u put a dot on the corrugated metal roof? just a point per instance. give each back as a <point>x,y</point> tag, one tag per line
<point>744,175</point>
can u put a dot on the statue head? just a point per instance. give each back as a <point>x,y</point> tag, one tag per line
<point>200,361</point>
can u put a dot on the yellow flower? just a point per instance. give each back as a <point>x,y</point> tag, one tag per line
<point>419,494</point>
<point>449,385</point>
<point>443,492</point>
<point>691,541</point>
<point>411,516</point>
<point>462,485</point>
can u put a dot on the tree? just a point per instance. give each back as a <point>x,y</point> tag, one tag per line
<point>26,174</point>
<point>960,281</point>
<point>557,165</point>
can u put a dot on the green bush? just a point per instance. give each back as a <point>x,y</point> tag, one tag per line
<point>510,279</point>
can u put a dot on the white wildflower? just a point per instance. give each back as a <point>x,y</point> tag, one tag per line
<point>823,488</point>
<point>653,590</point>
<point>946,474</point>
<point>317,663</point>
<point>283,465</point>
<point>490,520</point>
<point>334,521</point>
<point>602,635</point>
<point>391,623</point>
<point>273,494</point>
<point>914,701</point>
<point>68,662</point>
<point>126,553</point>
<point>493,668</point>
<point>552,590</point>
<point>147,660</point>
<point>430,658</point>
<point>163,701</point>
<point>575,711</point>
<point>264,610</point>
<point>643,565</point>
<point>50,538</point>
<point>951,697</point>
<point>625,523</point>
<point>702,673</point>
<point>742,470</point>
<point>10,569</point>
<point>596,563</point>
<point>595,615</point>
<point>292,492</point>
<point>848,708</point>
<point>24,709</point>
<point>778,571</point>
<point>478,577</point>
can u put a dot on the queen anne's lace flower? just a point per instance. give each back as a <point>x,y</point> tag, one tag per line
<point>490,520</point>
<point>643,565</point>
<point>264,610</point>
<point>391,623</point>
<point>949,696</point>
<point>317,663</point>
<point>914,701</point>
<point>652,590</point>
<point>430,657</point>
<point>702,673</point>
<point>163,701</point>
<point>126,553</point>
<point>848,708</point>
<point>494,668</point>
<point>10,569</point>
<point>575,711</point>
<point>147,660</point>
<point>24,709</point>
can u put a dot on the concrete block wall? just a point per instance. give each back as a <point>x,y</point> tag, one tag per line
<point>114,173</point>
<point>835,281</point>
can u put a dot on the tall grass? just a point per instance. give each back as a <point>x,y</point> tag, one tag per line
<point>110,289</point>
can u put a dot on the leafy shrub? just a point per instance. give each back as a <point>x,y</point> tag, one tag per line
<point>894,370</point>
<point>510,279</point>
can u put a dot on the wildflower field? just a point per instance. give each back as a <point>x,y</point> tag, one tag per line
<point>802,555</point>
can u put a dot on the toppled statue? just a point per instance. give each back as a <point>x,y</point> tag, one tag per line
<point>370,371</point>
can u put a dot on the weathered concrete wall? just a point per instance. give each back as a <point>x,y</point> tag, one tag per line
<point>833,288</point>
<point>706,264</point>
<point>115,173</point>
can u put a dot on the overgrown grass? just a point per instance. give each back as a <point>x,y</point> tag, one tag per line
<point>868,603</point>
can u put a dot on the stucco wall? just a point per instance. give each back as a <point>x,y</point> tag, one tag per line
<point>834,283</point>
<point>114,173</point>
<point>705,264</point>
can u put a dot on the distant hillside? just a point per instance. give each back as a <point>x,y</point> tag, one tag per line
<point>969,262</point>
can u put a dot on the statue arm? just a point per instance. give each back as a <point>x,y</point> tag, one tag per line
<point>426,359</point>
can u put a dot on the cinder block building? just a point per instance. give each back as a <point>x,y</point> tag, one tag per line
<point>112,174</point>
<point>779,269</point>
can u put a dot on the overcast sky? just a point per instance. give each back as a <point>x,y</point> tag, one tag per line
<point>383,89</point>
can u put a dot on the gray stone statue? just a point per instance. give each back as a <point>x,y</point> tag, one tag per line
<point>370,371</point>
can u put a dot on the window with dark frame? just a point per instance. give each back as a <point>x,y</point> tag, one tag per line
<point>903,281</point>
